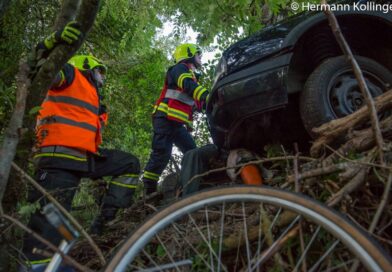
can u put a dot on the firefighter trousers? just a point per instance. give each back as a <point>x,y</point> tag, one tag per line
<point>166,133</point>
<point>124,169</point>
<point>195,162</point>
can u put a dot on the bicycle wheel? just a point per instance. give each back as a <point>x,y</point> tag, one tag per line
<point>247,228</point>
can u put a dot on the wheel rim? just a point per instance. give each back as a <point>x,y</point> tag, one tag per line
<point>344,94</point>
<point>147,257</point>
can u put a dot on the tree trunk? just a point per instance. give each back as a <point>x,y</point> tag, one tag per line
<point>11,137</point>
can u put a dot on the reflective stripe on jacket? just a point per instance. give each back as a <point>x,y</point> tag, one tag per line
<point>70,117</point>
<point>175,103</point>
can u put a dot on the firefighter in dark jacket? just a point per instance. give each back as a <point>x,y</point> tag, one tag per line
<point>69,128</point>
<point>172,115</point>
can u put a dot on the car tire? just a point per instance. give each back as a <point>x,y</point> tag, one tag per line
<point>331,91</point>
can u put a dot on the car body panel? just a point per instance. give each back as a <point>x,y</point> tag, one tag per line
<point>244,97</point>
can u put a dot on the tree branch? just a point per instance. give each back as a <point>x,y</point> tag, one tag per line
<point>67,13</point>
<point>11,137</point>
<point>361,80</point>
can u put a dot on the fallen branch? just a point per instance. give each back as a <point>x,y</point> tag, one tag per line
<point>364,163</point>
<point>336,128</point>
<point>348,188</point>
<point>320,171</point>
<point>362,140</point>
<point>355,182</point>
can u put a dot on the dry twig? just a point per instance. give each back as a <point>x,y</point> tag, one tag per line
<point>248,163</point>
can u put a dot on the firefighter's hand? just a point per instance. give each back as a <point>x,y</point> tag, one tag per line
<point>69,34</point>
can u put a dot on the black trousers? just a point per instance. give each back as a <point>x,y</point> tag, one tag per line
<point>195,162</point>
<point>166,133</point>
<point>63,183</point>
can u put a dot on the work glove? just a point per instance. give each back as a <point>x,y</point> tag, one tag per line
<point>202,104</point>
<point>69,34</point>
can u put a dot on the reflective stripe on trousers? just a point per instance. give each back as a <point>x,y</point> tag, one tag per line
<point>121,189</point>
<point>129,181</point>
<point>61,152</point>
<point>151,176</point>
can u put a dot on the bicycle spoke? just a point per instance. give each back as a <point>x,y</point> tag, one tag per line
<point>151,259</point>
<point>168,253</point>
<point>164,267</point>
<point>275,246</point>
<point>192,247</point>
<point>302,243</point>
<point>307,248</point>
<point>221,236</point>
<point>246,235</point>
<point>316,265</point>
<point>209,238</point>
<point>247,229</point>
<point>339,266</point>
<point>212,251</point>
<point>261,222</point>
<point>238,251</point>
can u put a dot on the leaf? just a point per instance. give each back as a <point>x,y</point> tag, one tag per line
<point>35,110</point>
<point>161,251</point>
<point>28,209</point>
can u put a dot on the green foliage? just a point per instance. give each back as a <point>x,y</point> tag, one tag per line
<point>7,101</point>
<point>160,251</point>
<point>35,110</point>
<point>84,203</point>
<point>26,209</point>
<point>127,37</point>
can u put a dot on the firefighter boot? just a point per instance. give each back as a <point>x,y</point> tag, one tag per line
<point>108,213</point>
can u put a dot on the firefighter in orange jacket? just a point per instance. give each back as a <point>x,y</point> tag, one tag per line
<point>69,127</point>
<point>180,95</point>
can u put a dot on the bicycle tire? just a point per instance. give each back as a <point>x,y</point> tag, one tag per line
<point>358,242</point>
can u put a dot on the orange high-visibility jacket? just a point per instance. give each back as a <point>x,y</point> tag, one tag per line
<point>70,117</point>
